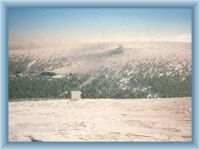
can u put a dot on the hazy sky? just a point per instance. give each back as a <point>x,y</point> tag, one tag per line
<point>99,24</point>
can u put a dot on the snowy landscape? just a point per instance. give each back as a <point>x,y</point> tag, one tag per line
<point>139,69</point>
<point>131,68</point>
<point>100,74</point>
<point>102,120</point>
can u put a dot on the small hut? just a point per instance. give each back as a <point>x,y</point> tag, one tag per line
<point>75,95</point>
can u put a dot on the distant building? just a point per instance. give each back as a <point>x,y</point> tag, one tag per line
<point>75,95</point>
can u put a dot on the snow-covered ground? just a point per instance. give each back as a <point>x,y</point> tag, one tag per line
<point>101,120</point>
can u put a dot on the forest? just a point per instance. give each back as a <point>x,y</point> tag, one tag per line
<point>101,87</point>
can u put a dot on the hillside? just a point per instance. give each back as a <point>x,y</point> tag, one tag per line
<point>140,69</point>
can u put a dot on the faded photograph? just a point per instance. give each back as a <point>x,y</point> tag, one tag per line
<point>100,74</point>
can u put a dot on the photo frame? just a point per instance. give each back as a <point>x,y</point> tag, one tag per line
<point>5,5</point>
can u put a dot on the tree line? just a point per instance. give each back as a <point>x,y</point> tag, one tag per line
<point>101,87</point>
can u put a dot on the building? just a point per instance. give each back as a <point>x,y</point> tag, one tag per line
<point>75,95</point>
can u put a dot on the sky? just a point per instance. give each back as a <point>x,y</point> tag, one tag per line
<point>85,25</point>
